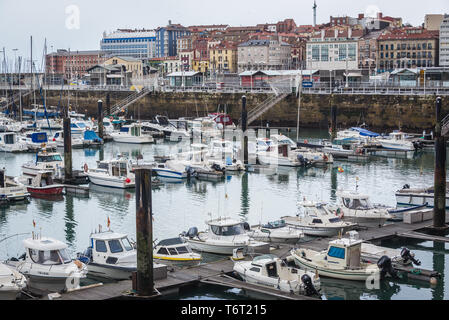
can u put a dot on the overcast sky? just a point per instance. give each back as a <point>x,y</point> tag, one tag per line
<point>19,19</point>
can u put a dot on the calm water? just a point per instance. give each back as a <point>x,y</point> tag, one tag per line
<point>255,197</point>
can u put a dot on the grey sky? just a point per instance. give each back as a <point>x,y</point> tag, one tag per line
<point>47,18</point>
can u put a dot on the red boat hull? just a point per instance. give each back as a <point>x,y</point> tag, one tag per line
<point>46,190</point>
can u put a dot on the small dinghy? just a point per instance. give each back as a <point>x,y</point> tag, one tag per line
<point>274,231</point>
<point>47,266</point>
<point>175,251</point>
<point>10,190</point>
<point>270,271</point>
<point>11,282</point>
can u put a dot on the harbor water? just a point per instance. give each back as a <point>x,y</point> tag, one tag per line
<point>254,197</point>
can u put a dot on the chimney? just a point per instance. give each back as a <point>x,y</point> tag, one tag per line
<point>322,34</point>
<point>379,15</point>
<point>335,33</point>
<point>361,16</point>
<point>349,33</point>
<point>169,22</point>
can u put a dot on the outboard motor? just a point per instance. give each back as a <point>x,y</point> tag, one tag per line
<point>301,160</point>
<point>308,285</point>
<point>246,226</point>
<point>407,255</point>
<point>406,186</point>
<point>385,267</point>
<point>193,232</point>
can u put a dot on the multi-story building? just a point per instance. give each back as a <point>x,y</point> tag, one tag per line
<point>223,58</point>
<point>186,57</point>
<point>166,39</point>
<point>334,49</point>
<point>269,54</point>
<point>408,48</point>
<point>213,27</point>
<point>377,22</point>
<point>432,22</point>
<point>200,65</point>
<point>130,43</point>
<point>131,64</point>
<point>73,64</point>
<point>444,42</point>
<point>368,54</point>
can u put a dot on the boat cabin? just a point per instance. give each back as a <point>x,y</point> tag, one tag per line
<point>118,167</point>
<point>133,130</point>
<point>225,227</point>
<point>345,253</point>
<point>46,251</point>
<point>174,249</point>
<point>317,213</point>
<point>107,247</point>
<point>44,157</point>
<point>281,139</point>
<point>37,137</point>
<point>8,138</point>
<point>398,136</point>
<point>354,200</point>
<point>275,224</point>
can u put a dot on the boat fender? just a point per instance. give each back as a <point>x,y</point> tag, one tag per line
<point>407,255</point>
<point>193,232</point>
<point>385,266</point>
<point>308,285</point>
<point>86,167</point>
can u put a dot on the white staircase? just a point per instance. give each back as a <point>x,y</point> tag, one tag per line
<point>136,96</point>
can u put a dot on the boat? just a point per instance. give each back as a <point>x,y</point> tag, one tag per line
<point>171,169</point>
<point>12,282</point>
<point>355,134</point>
<point>341,260</point>
<point>36,141</point>
<point>282,139</point>
<point>78,126</point>
<point>317,220</point>
<point>175,251</point>
<point>224,234</point>
<point>47,161</point>
<point>41,183</point>
<point>11,190</point>
<point>90,139</point>
<point>273,272</point>
<point>280,155</point>
<point>418,196</point>
<point>132,134</point>
<point>223,154</point>
<point>116,173</point>
<point>356,207</point>
<point>274,231</point>
<point>59,139</point>
<point>396,141</point>
<point>111,255</point>
<point>9,142</point>
<point>47,266</point>
<point>314,157</point>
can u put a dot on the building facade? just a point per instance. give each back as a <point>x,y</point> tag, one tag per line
<point>130,43</point>
<point>223,58</point>
<point>444,42</point>
<point>132,65</point>
<point>408,48</point>
<point>432,22</point>
<point>166,39</point>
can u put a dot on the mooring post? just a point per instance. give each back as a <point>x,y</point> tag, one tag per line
<point>68,175</point>
<point>439,208</point>
<point>108,104</point>
<point>100,119</point>
<point>144,232</point>
<point>2,178</point>
<point>244,128</point>
<point>333,119</point>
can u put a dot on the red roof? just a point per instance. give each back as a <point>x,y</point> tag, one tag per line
<point>408,34</point>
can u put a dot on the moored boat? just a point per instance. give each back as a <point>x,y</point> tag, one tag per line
<point>175,251</point>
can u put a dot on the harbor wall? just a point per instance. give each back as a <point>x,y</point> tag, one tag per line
<point>379,112</point>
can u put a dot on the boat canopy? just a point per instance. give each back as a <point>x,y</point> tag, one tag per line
<point>39,137</point>
<point>364,132</point>
<point>223,222</point>
<point>44,244</point>
<point>265,257</point>
<point>171,242</point>
<point>92,136</point>
<point>107,235</point>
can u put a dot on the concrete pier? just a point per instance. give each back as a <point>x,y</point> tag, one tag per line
<point>440,172</point>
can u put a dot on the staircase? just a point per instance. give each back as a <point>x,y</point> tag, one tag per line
<point>14,98</point>
<point>129,100</point>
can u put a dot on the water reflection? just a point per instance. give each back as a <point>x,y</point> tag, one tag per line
<point>244,197</point>
<point>70,223</point>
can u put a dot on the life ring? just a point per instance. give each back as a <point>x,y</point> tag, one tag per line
<point>86,167</point>
<point>358,151</point>
<point>306,141</point>
<point>325,158</point>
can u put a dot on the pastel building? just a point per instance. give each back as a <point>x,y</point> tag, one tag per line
<point>130,43</point>
<point>167,39</point>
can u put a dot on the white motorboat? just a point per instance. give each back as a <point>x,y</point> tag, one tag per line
<point>37,141</point>
<point>418,196</point>
<point>224,154</point>
<point>355,134</point>
<point>171,169</point>
<point>11,190</point>
<point>78,126</point>
<point>356,207</point>
<point>270,271</point>
<point>47,265</point>
<point>279,155</point>
<point>314,157</point>
<point>275,231</point>
<point>9,142</point>
<point>282,139</point>
<point>114,173</point>
<point>396,141</point>
<point>222,237</point>
<point>316,219</point>
<point>41,184</point>
<point>45,161</point>
<point>111,255</point>
<point>11,282</point>
<point>175,251</point>
<point>58,137</point>
<point>132,134</point>
<point>341,260</point>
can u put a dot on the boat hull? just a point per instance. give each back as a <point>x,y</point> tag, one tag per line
<point>418,199</point>
<point>106,181</point>
<point>133,140</point>
<point>166,173</point>
<point>100,271</point>
<point>49,190</point>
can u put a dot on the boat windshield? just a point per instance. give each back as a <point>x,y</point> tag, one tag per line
<point>227,230</point>
<point>126,244</point>
<point>357,204</point>
<point>115,246</point>
<point>49,158</point>
<point>80,124</point>
<point>49,257</point>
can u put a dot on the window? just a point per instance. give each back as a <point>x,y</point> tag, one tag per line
<point>115,246</point>
<point>254,269</point>
<point>127,244</point>
<point>336,252</point>
<point>100,246</point>
<point>317,221</point>
<point>162,251</point>
<point>172,251</point>
<point>182,250</point>
<point>47,257</point>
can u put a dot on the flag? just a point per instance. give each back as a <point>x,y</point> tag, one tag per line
<point>34,224</point>
<point>109,222</point>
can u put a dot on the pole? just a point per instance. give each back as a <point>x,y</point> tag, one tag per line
<point>144,232</point>
<point>68,175</point>
<point>439,209</point>
<point>333,118</point>
<point>100,119</point>
<point>244,128</point>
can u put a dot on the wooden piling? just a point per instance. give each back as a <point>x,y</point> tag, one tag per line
<point>333,119</point>
<point>244,128</point>
<point>144,233</point>
<point>439,210</point>
<point>100,119</point>
<point>68,175</point>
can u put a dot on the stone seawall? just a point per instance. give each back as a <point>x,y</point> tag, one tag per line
<point>379,112</point>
